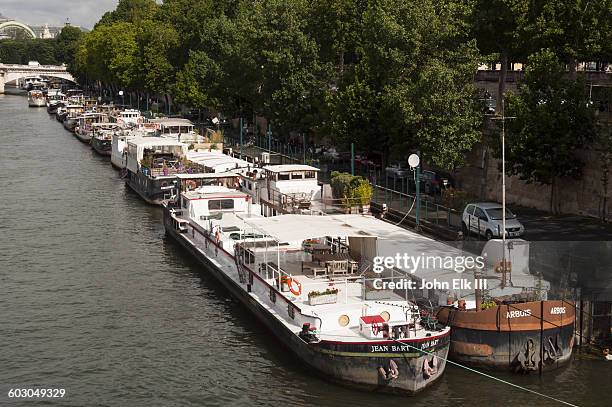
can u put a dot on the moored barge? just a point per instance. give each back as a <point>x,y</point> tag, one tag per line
<point>314,301</point>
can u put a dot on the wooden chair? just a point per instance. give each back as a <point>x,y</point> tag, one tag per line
<point>337,267</point>
<point>315,268</point>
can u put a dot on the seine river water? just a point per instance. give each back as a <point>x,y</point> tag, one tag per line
<point>94,299</point>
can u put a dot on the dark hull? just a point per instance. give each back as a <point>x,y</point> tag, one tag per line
<point>518,343</point>
<point>352,364</point>
<point>70,124</point>
<point>84,138</point>
<point>102,147</point>
<point>150,189</point>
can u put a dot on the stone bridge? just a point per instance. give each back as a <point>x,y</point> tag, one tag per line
<point>12,73</point>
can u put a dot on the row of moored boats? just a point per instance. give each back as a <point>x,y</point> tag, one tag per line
<point>307,275</point>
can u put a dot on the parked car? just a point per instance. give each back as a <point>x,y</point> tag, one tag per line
<point>485,219</point>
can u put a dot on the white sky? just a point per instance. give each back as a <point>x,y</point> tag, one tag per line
<point>83,13</point>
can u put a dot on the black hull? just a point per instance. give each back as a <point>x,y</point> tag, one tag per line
<point>102,147</point>
<point>152,190</point>
<point>518,351</point>
<point>85,139</point>
<point>344,363</point>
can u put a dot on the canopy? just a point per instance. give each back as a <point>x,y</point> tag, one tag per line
<point>286,228</point>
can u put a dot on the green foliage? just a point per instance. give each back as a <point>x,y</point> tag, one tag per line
<point>67,44</point>
<point>351,188</point>
<point>391,76</point>
<point>328,291</point>
<point>424,96</point>
<point>21,51</point>
<point>553,120</point>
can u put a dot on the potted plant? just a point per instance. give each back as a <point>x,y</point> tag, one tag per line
<point>329,296</point>
<point>363,194</point>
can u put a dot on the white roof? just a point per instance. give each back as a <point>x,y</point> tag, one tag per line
<point>227,174</point>
<point>391,240</point>
<point>154,141</point>
<point>170,121</point>
<point>289,167</point>
<point>217,160</point>
<point>287,228</point>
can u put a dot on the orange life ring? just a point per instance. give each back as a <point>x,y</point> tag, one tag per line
<point>375,329</point>
<point>295,291</point>
<point>139,120</point>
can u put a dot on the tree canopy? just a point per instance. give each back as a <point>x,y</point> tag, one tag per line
<point>393,76</point>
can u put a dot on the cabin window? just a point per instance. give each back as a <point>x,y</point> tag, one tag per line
<point>297,175</point>
<point>310,174</point>
<point>284,177</point>
<point>220,204</point>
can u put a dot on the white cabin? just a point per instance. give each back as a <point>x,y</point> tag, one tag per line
<point>182,129</point>
<point>137,146</point>
<point>212,202</point>
<point>291,179</point>
<point>129,116</point>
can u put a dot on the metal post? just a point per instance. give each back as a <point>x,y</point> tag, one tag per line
<point>418,194</point>
<point>352,158</point>
<point>304,147</point>
<point>503,137</point>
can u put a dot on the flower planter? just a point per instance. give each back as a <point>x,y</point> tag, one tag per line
<point>323,299</point>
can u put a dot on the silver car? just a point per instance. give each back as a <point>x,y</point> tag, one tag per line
<point>485,219</point>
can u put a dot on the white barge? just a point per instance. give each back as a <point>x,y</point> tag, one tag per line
<point>305,278</point>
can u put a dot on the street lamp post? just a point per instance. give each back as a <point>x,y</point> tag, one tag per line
<point>414,161</point>
<point>503,119</point>
<point>122,98</point>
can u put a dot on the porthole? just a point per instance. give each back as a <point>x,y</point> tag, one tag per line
<point>343,320</point>
<point>385,315</point>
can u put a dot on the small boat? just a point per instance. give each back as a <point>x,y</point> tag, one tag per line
<point>36,98</point>
<point>151,163</point>
<point>128,118</point>
<point>511,325</point>
<point>84,125</point>
<point>120,142</point>
<point>102,137</point>
<point>71,115</point>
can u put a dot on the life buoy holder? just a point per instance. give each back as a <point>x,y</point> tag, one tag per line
<point>295,290</point>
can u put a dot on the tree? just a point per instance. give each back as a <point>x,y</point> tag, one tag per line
<point>498,27</point>
<point>553,120</point>
<point>423,98</point>
<point>67,41</point>
<point>130,11</point>
<point>578,30</point>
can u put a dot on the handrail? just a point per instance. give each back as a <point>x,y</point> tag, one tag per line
<point>197,228</point>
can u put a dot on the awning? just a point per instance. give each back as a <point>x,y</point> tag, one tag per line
<point>286,228</point>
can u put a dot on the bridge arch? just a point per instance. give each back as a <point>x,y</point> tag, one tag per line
<point>16,24</point>
<point>11,77</point>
